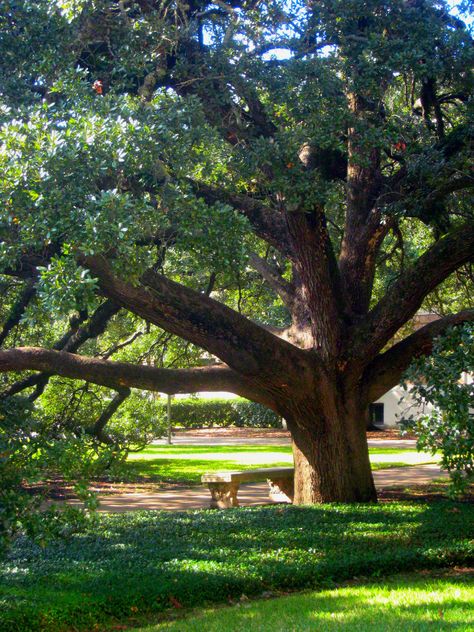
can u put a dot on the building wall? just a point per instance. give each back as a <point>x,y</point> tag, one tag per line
<point>397,404</point>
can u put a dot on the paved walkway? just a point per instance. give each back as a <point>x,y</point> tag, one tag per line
<point>222,441</point>
<point>180,498</point>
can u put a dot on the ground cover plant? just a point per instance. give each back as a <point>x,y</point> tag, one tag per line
<point>139,563</point>
<point>411,603</point>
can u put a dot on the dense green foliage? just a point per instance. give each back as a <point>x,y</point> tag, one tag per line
<point>444,388</point>
<point>220,413</point>
<point>31,451</point>
<point>407,603</point>
<point>137,563</point>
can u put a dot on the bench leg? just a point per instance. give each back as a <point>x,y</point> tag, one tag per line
<point>281,489</point>
<point>224,495</point>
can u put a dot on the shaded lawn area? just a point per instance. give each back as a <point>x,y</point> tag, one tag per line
<point>186,464</point>
<point>408,603</point>
<point>140,563</point>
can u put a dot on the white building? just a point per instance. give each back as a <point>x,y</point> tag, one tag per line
<point>393,406</point>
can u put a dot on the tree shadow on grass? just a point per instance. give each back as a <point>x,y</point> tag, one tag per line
<point>144,560</point>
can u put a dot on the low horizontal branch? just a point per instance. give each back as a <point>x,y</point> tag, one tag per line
<point>71,341</point>
<point>118,375</point>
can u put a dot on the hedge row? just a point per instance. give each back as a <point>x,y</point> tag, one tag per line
<point>220,413</point>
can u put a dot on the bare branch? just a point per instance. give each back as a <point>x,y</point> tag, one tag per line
<point>121,345</point>
<point>284,289</point>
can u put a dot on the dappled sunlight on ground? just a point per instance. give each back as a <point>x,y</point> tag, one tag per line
<point>179,497</point>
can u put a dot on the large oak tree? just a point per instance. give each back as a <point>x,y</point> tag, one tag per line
<point>157,154</point>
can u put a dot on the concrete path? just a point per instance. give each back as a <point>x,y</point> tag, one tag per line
<point>223,441</point>
<point>180,498</point>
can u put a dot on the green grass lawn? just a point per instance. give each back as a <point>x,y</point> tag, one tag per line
<point>186,464</point>
<point>152,450</point>
<point>407,603</point>
<point>186,471</point>
<point>139,564</point>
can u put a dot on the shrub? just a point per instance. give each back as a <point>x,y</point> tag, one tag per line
<point>221,413</point>
<point>448,423</point>
<point>30,451</point>
<point>253,415</point>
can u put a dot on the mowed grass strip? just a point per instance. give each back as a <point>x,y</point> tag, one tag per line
<point>407,603</point>
<point>186,464</point>
<point>183,471</point>
<point>140,563</point>
<point>153,450</point>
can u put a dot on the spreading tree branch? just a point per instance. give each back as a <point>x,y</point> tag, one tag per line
<point>386,370</point>
<point>118,375</point>
<point>405,296</point>
<point>97,430</point>
<point>199,319</point>
<point>267,223</point>
<point>18,309</point>
<point>284,289</point>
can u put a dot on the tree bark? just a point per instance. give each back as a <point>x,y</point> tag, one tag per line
<point>119,375</point>
<point>331,453</point>
<point>18,310</point>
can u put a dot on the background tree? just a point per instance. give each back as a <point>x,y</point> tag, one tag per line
<point>156,155</point>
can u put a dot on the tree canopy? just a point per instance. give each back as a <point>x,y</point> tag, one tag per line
<point>161,158</point>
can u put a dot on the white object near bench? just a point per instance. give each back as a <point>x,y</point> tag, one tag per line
<point>224,486</point>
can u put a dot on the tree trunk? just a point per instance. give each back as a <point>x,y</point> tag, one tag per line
<point>331,455</point>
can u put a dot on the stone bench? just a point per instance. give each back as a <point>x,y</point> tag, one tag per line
<point>224,486</point>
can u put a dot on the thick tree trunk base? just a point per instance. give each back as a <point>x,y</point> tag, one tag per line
<point>331,461</point>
